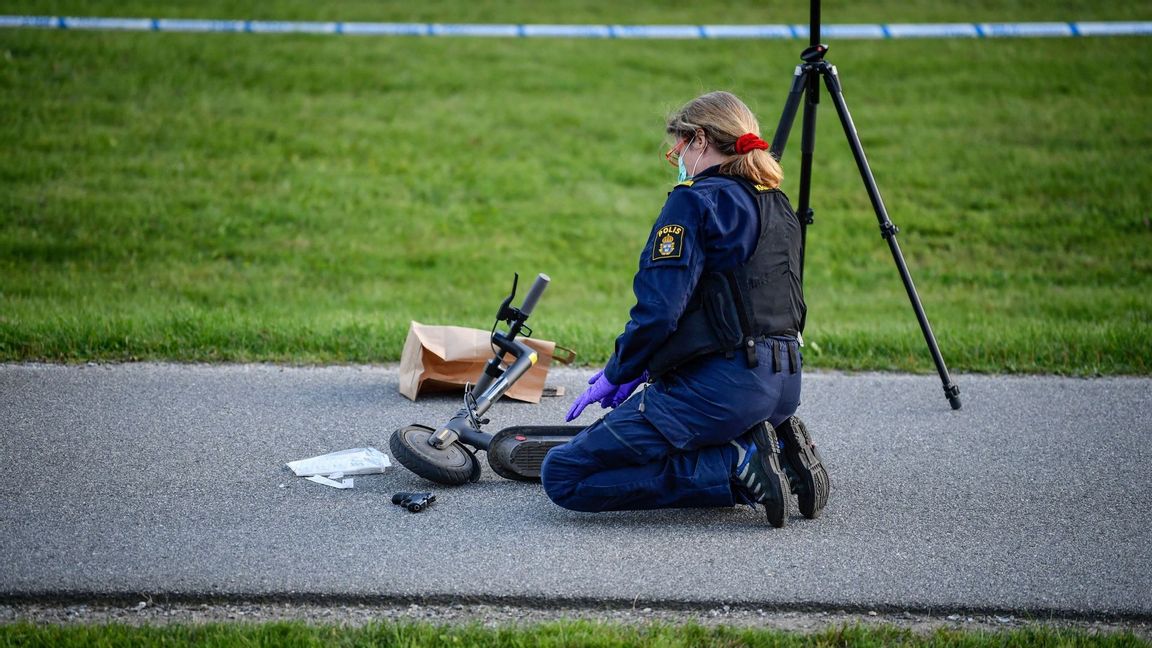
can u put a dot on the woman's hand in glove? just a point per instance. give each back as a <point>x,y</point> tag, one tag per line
<point>624,391</point>
<point>599,391</point>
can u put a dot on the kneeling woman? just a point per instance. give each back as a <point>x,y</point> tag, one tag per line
<point>715,335</point>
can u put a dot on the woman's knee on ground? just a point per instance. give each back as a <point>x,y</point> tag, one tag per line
<point>563,469</point>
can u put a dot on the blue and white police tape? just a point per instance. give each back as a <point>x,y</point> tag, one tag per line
<point>785,32</point>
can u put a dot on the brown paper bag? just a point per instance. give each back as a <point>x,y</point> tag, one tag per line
<point>445,358</point>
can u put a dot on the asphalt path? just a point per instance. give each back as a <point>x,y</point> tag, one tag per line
<point>170,481</point>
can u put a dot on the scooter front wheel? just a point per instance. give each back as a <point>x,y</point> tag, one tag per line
<point>452,466</point>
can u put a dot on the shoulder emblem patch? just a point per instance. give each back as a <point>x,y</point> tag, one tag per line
<point>669,242</point>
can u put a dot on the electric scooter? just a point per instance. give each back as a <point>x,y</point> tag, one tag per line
<point>447,455</point>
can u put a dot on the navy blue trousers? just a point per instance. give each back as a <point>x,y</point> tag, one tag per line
<point>668,445</point>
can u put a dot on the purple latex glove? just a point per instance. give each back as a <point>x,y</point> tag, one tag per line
<point>601,389</point>
<point>624,391</point>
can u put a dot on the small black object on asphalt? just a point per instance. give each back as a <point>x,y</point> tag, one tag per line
<point>414,502</point>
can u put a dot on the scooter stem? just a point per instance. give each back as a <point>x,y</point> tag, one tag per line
<point>526,358</point>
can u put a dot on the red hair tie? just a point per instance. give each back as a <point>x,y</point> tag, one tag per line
<point>750,142</point>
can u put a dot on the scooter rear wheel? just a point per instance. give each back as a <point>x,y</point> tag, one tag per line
<point>452,466</point>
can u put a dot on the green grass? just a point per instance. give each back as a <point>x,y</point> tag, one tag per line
<point>598,11</point>
<point>302,199</point>
<point>579,633</point>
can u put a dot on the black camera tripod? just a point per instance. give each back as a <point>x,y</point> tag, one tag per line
<point>806,84</point>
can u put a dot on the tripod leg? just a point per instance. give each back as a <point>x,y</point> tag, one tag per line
<point>808,144</point>
<point>888,230</point>
<point>784,128</point>
<point>807,152</point>
<point>804,83</point>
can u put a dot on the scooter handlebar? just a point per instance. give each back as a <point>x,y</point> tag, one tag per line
<point>534,294</point>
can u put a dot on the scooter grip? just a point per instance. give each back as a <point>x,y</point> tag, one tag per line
<point>534,293</point>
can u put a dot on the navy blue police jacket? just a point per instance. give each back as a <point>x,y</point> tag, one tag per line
<point>709,225</point>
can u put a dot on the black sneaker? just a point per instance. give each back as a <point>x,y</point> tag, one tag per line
<point>804,466</point>
<point>760,475</point>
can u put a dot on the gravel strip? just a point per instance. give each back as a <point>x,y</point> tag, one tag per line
<point>148,613</point>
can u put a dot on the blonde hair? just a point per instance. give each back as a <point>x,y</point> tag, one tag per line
<point>724,118</point>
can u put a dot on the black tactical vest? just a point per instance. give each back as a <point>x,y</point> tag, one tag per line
<point>730,310</point>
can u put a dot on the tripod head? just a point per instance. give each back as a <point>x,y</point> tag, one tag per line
<point>814,54</point>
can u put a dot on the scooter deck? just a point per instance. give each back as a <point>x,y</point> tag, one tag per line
<point>518,452</point>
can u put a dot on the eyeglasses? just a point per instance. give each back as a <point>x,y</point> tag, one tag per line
<point>673,154</point>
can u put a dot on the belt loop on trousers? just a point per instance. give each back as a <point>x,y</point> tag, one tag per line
<point>775,355</point>
<point>793,358</point>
